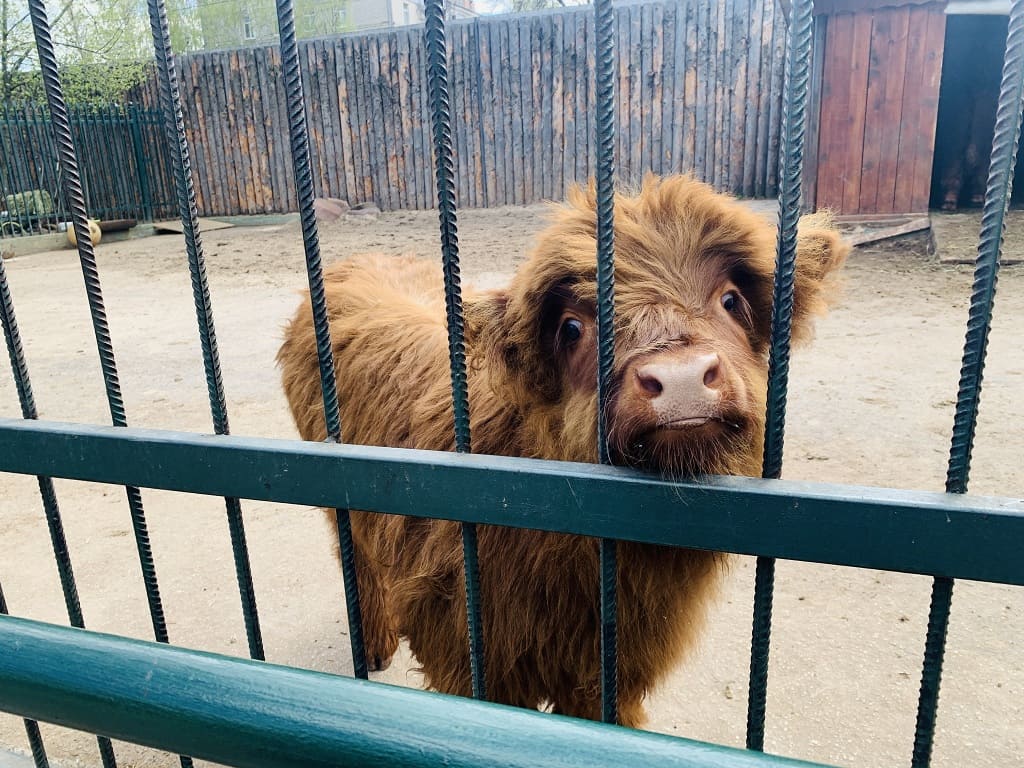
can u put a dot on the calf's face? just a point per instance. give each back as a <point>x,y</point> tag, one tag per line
<point>693,293</point>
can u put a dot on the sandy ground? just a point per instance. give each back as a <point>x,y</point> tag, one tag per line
<point>871,403</point>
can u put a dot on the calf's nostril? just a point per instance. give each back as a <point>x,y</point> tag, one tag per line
<point>649,383</point>
<point>712,375</point>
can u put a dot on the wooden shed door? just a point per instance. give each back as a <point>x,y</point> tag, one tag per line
<point>879,101</point>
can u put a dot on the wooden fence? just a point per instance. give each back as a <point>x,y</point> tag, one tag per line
<point>699,88</point>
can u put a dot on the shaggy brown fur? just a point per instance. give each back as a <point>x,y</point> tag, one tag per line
<point>693,288</point>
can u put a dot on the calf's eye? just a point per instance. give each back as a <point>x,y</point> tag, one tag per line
<point>572,330</point>
<point>730,301</point>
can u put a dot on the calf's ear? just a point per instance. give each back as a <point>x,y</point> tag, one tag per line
<point>820,254</point>
<point>505,334</point>
<point>484,315</point>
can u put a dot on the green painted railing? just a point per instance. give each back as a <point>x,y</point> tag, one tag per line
<point>954,535</point>
<point>255,715</point>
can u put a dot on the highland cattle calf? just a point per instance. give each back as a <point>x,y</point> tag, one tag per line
<point>693,293</point>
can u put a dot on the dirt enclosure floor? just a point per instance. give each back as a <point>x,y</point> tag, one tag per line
<point>871,403</point>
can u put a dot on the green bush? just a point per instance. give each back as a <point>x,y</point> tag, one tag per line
<point>35,202</point>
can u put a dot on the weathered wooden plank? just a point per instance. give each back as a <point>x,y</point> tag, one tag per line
<point>657,77</point>
<point>400,78</point>
<point>557,183</point>
<point>340,157</point>
<point>226,141</point>
<point>468,113</point>
<point>622,124</point>
<point>456,102</point>
<point>809,179</point>
<point>309,63</point>
<point>311,108</point>
<point>515,105</point>
<point>763,99</point>
<point>346,140</point>
<point>488,87</point>
<point>523,98</point>
<point>270,63</point>
<point>590,99</point>
<point>910,111</point>
<point>221,193</point>
<point>536,108</point>
<point>775,105</point>
<point>569,60</point>
<point>874,127</point>
<point>702,69</point>
<point>268,83</point>
<point>388,89</point>
<point>210,121</point>
<point>367,130</point>
<point>741,23</point>
<point>254,119</point>
<point>420,152</point>
<point>723,102</point>
<point>357,192</point>
<point>235,136</point>
<point>503,71</point>
<point>328,118</point>
<point>668,85</point>
<point>934,24</point>
<point>548,119</point>
<point>380,143</point>
<point>202,121</point>
<point>387,140</point>
<point>257,99</point>
<point>686,61</point>
<point>244,165</point>
<point>721,77</point>
<point>835,143</point>
<point>636,111</point>
<point>645,76</point>
<point>752,85</point>
<point>246,170</point>
<point>891,114</point>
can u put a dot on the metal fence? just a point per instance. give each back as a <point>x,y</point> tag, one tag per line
<point>266,715</point>
<point>123,162</point>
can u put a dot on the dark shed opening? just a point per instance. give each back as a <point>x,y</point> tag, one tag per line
<point>968,93</point>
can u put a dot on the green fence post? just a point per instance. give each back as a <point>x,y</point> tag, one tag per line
<point>135,121</point>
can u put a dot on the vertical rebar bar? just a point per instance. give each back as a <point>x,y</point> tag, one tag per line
<point>299,142</point>
<point>181,163</point>
<point>51,510</point>
<point>604,15</point>
<point>440,114</point>
<point>73,187</point>
<point>794,113</point>
<point>1005,142</point>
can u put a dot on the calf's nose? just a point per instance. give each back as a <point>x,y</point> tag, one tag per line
<point>681,389</point>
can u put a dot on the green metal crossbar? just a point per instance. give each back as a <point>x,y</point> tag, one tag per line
<point>954,535</point>
<point>256,715</point>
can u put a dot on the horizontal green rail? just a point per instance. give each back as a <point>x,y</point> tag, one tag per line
<point>956,535</point>
<point>248,713</point>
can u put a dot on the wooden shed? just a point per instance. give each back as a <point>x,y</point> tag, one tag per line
<point>902,103</point>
